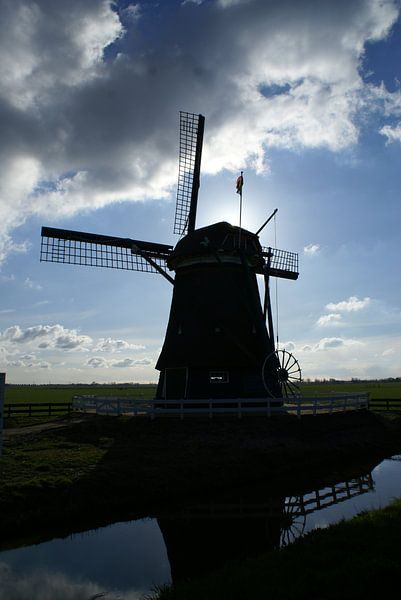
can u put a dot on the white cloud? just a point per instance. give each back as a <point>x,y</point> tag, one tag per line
<point>130,362</point>
<point>328,320</point>
<point>393,134</point>
<point>330,343</point>
<point>103,363</point>
<point>46,336</point>
<point>80,131</point>
<point>112,345</point>
<point>289,346</point>
<point>311,249</point>
<point>353,304</point>
<point>388,352</point>
<point>97,362</point>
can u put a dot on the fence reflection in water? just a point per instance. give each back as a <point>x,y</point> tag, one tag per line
<point>205,536</point>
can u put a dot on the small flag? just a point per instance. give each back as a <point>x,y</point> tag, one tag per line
<point>240,183</point>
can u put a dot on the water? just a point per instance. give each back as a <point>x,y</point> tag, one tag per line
<point>124,561</point>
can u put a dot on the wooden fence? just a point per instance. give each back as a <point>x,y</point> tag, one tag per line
<point>111,405</point>
<point>35,409</point>
<point>213,407</point>
<point>385,404</point>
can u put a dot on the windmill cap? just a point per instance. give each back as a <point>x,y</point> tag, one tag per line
<point>220,239</point>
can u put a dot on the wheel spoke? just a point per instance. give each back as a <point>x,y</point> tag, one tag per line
<point>287,390</point>
<point>288,360</point>
<point>293,388</point>
<point>295,362</point>
<point>292,385</point>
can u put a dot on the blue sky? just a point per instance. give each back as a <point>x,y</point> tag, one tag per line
<point>302,95</point>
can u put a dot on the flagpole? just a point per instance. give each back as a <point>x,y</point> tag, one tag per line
<point>240,209</point>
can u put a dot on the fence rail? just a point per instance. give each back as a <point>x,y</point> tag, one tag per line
<point>30,409</point>
<point>217,406</point>
<point>381,404</point>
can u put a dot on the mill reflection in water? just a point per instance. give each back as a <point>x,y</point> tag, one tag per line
<point>206,536</point>
<point>127,559</point>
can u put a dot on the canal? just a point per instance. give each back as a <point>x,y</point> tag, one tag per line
<point>126,560</point>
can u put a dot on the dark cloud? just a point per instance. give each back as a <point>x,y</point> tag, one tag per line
<point>89,103</point>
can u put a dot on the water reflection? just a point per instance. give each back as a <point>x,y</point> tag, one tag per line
<point>126,560</point>
<point>204,537</point>
<point>42,584</point>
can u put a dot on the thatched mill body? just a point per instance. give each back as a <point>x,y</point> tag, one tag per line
<point>219,341</point>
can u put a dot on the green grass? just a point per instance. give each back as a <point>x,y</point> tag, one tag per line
<point>375,389</point>
<point>358,559</point>
<point>46,393</point>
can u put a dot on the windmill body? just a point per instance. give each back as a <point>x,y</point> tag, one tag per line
<point>219,341</point>
<point>216,340</point>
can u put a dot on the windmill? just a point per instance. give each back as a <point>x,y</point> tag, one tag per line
<point>219,341</point>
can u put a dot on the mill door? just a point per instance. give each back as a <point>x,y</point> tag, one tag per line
<point>175,383</point>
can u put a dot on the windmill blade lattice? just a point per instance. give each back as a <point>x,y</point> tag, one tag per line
<point>89,249</point>
<point>191,138</point>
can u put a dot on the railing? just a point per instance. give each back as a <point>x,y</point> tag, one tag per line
<point>111,405</point>
<point>216,406</point>
<point>390,404</point>
<point>29,409</point>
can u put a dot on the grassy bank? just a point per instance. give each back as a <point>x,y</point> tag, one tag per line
<point>357,559</point>
<point>108,468</point>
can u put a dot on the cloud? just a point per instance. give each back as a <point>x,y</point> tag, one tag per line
<point>89,108</point>
<point>393,134</point>
<point>31,285</point>
<point>129,362</point>
<point>46,336</point>
<point>311,249</point>
<point>112,345</point>
<point>97,363</point>
<point>289,346</point>
<point>388,352</point>
<point>333,343</point>
<point>353,304</point>
<point>327,343</point>
<point>103,363</point>
<point>328,320</point>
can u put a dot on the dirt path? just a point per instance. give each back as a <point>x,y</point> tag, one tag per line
<point>39,427</point>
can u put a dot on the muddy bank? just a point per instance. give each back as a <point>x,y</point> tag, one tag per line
<point>105,469</point>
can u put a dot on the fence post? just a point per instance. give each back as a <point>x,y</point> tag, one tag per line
<point>2,394</point>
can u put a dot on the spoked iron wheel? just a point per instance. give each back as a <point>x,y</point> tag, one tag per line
<point>288,373</point>
<point>294,520</point>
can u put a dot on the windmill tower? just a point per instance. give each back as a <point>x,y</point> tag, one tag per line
<point>219,341</point>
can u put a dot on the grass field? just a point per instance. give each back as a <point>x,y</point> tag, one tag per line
<point>47,393</point>
<point>376,389</point>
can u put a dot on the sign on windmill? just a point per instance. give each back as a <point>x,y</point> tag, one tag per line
<point>219,341</point>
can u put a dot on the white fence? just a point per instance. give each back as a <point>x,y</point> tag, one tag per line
<point>111,405</point>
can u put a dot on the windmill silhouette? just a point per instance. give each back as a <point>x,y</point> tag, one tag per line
<point>219,341</point>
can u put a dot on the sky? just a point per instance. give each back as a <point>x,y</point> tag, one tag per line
<point>304,96</point>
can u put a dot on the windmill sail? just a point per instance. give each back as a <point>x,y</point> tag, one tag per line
<point>281,263</point>
<point>191,139</point>
<point>90,249</point>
